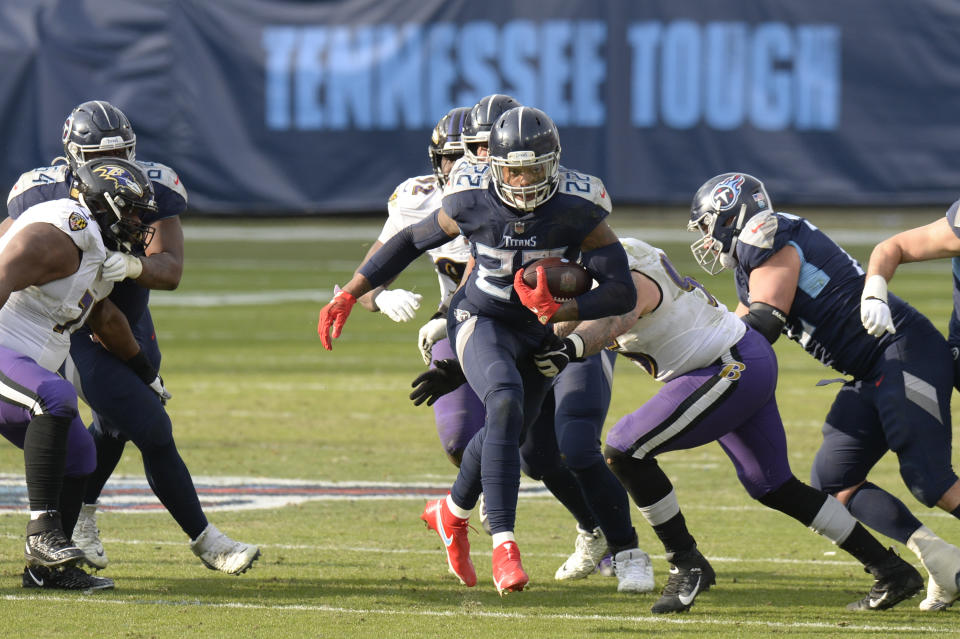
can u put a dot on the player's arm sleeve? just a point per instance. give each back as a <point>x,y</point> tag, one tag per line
<point>615,293</point>
<point>402,249</point>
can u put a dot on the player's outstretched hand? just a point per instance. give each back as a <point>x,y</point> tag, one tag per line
<point>398,304</point>
<point>431,333</point>
<point>556,353</point>
<point>437,382</point>
<point>334,315</point>
<point>539,300</point>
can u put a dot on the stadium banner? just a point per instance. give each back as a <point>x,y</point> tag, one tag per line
<point>296,107</point>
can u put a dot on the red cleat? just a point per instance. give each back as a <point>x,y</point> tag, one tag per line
<point>508,573</point>
<point>453,534</point>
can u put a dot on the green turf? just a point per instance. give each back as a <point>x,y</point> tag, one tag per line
<point>255,394</point>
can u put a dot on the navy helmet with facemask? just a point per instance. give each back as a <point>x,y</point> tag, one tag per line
<point>720,211</point>
<point>117,193</point>
<point>97,129</point>
<point>525,140</point>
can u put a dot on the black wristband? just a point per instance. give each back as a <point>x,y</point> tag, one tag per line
<point>140,365</point>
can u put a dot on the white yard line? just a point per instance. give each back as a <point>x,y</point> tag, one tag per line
<point>834,628</point>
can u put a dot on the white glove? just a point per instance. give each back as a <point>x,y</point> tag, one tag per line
<point>157,387</point>
<point>398,304</point>
<point>431,333</point>
<point>874,310</point>
<point>119,266</point>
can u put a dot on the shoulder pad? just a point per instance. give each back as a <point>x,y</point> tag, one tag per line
<point>165,176</point>
<point>640,255</point>
<point>586,186</point>
<point>953,219</point>
<point>413,192</point>
<point>467,176</point>
<point>38,177</point>
<point>760,230</point>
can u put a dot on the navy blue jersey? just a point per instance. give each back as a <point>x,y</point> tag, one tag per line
<point>503,239</point>
<point>825,315</point>
<point>55,182</point>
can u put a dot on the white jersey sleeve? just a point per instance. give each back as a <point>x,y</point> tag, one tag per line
<point>37,321</point>
<point>589,187</point>
<point>690,329</point>
<point>412,201</point>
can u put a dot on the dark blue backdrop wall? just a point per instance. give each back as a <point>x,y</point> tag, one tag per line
<point>281,106</point>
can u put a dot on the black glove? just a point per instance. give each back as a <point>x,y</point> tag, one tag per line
<point>437,382</point>
<point>554,356</point>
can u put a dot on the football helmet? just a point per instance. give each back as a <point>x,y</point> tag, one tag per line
<point>445,141</point>
<point>117,194</point>
<point>97,129</point>
<point>720,211</point>
<point>476,128</point>
<point>524,157</point>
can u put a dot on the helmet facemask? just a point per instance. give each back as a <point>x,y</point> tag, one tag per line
<point>541,172</point>
<point>714,251</point>
<point>120,223</point>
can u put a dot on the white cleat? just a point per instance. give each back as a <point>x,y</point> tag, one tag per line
<point>219,552</point>
<point>589,549</point>
<point>86,536</point>
<point>942,561</point>
<point>634,571</point>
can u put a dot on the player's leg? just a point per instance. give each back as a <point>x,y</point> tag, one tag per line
<point>758,450</point>
<point>128,407</point>
<point>458,414</point>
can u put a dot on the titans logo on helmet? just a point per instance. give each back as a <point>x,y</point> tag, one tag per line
<point>726,193</point>
<point>121,177</point>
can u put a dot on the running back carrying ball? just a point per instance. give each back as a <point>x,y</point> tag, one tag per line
<point>565,279</point>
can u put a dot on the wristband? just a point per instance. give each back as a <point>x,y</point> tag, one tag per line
<point>140,365</point>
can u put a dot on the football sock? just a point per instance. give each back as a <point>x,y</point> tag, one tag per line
<point>564,486</point>
<point>883,512</point>
<point>864,546</point>
<point>71,500</point>
<point>609,502</point>
<point>109,452</point>
<point>44,456</point>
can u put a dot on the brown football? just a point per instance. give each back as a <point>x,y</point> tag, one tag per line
<point>565,279</point>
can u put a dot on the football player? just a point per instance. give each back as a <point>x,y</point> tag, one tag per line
<point>51,260</point>
<point>526,209</point>
<point>793,279</point>
<point>123,409</point>
<point>719,381</point>
<point>938,239</point>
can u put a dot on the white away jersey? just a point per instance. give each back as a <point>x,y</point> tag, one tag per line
<point>412,201</point>
<point>37,321</point>
<point>688,330</point>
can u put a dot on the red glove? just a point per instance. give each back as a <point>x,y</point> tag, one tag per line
<point>334,314</point>
<point>539,300</point>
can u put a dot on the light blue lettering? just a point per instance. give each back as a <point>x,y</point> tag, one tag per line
<point>519,44</point>
<point>644,39</point>
<point>725,75</point>
<point>441,73</point>
<point>590,73</point>
<point>278,43</point>
<point>770,106</point>
<point>399,64</point>
<point>309,79</point>
<point>817,69</point>
<point>680,100</point>
<point>350,85</point>
<point>555,70</point>
<point>478,47</point>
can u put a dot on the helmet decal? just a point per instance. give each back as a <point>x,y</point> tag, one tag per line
<point>119,176</point>
<point>726,193</point>
<point>67,127</point>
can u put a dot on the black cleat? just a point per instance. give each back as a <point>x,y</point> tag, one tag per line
<point>47,545</point>
<point>690,574</point>
<point>71,578</point>
<point>896,580</point>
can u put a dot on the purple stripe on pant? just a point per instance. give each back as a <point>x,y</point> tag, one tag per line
<point>24,382</point>
<point>733,404</point>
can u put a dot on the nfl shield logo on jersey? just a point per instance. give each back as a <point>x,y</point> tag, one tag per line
<point>519,227</point>
<point>77,222</point>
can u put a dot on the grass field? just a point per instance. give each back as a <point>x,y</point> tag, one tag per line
<point>255,395</point>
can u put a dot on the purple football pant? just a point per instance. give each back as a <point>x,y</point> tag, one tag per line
<point>731,402</point>
<point>28,389</point>
<point>459,414</point>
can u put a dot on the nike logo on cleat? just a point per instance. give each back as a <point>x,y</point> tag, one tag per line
<point>33,577</point>
<point>686,600</point>
<point>876,602</point>
<point>443,533</point>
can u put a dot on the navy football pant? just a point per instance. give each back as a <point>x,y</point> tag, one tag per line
<point>498,364</point>
<point>127,409</point>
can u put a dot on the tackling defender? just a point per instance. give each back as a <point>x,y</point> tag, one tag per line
<point>123,408</point>
<point>793,279</point>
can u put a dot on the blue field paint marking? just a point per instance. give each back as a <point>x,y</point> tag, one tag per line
<point>133,494</point>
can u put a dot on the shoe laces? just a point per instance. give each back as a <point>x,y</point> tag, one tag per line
<point>55,538</point>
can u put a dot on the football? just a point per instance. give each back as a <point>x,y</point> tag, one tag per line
<point>565,279</point>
